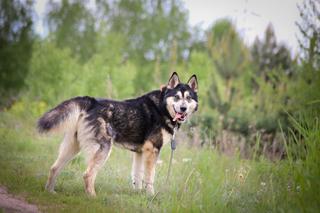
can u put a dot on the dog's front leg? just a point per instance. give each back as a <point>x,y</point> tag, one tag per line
<point>150,156</point>
<point>137,171</point>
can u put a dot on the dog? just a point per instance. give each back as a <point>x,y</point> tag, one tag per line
<point>142,125</point>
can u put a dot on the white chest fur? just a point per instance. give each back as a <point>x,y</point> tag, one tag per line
<point>166,136</point>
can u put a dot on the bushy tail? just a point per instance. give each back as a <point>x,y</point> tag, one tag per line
<point>64,116</point>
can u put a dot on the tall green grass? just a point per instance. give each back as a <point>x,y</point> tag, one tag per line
<point>202,180</point>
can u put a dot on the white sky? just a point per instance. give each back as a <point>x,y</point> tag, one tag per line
<point>251,17</point>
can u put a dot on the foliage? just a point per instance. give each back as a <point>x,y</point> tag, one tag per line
<point>150,26</point>
<point>16,38</point>
<point>53,73</point>
<point>56,75</point>
<point>309,27</point>
<point>269,55</point>
<point>72,25</point>
<point>226,49</point>
<point>229,57</point>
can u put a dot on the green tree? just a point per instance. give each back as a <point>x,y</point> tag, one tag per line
<point>53,74</point>
<point>229,56</point>
<point>306,93</point>
<point>151,27</point>
<point>309,28</point>
<point>16,39</point>
<point>107,74</point>
<point>268,54</point>
<point>72,25</point>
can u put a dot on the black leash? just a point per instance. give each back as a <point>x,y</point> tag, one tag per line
<point>173,147</point>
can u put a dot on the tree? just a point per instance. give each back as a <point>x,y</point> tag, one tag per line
<point>226,49</point>
<point>16,39</point>
<point>151,27</point>
<point>306,91</point>
<point>229,56</point>
<point>72,25</point>
<point>268,54</point>
<point>151,30</point>
<point>309,28</point>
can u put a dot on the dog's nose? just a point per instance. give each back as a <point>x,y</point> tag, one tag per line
<point>183,109</point>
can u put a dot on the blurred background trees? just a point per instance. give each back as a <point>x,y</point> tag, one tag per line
<point>72,25</point>
<point>309,28</point>
<point>228,55</point>
<point>16,39</point>
<point>123,48</point>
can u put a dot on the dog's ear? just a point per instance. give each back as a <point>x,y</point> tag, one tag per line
<point>193,83</point>
<point>173,81</point>
<point>163,87</point>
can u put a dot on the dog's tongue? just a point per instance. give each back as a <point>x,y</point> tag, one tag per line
<point>177,116</point>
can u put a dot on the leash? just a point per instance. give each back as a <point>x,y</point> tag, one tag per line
<point>173,147</point>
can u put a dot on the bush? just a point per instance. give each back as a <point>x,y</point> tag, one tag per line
<point>53,74</point>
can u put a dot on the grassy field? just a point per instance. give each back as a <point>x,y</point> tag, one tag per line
<point>202,180</point>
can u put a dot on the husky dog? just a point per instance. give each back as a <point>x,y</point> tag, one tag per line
<point>142,125</point>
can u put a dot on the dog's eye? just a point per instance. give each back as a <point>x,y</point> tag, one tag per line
<point>176,97</point>
<point>188,98</point>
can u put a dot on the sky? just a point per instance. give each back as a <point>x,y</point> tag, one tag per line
<point>251,17</point>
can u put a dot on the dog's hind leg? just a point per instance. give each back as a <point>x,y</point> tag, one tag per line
<point>68,149</point>
<point>97,156</point>
<point>137,171</point>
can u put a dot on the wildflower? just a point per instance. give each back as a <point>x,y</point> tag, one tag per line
<point>186,160</point>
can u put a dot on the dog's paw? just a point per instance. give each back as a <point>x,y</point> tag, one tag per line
<point>50,189</point>
<point>150,189</point>
<point>91,194</point>
<point>137,185</point>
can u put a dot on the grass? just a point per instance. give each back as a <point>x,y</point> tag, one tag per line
<point>209,182</point>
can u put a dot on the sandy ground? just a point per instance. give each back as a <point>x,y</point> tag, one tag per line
<point>10,203</point>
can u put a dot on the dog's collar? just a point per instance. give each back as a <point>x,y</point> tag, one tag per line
<point>171,126</point>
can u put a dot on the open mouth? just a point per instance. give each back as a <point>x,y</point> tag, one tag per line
<point>180,116</point>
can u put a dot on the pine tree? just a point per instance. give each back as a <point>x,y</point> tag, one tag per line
<point>268,54</point>
<point>309,27</point>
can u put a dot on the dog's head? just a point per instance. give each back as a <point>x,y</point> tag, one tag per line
<point>181,99</point>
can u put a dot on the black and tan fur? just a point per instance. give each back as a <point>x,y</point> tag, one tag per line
<point>142,125</point>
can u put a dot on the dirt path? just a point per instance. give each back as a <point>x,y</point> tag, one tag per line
<point>10,203</point>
